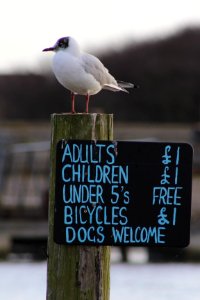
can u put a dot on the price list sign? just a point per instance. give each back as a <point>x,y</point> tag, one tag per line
<point>123,193</point>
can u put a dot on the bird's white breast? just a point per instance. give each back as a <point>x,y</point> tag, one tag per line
<point>70,73</point>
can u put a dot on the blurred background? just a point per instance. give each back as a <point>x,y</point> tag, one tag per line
<point>153,44</point>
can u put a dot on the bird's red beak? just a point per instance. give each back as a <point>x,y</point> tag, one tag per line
<point>48,49</point>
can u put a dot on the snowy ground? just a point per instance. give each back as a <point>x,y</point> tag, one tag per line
<point>27,281</point>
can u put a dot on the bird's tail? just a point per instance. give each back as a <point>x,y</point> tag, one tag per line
<point>121,86</point>
<point>127,85</point>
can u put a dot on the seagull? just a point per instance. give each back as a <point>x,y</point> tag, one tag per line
<point>82,73</point>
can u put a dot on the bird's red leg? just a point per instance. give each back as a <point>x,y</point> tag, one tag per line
<point>87,103</point>
<point>73,102</point>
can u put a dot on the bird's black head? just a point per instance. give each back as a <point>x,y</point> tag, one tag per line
<point>62,43</point>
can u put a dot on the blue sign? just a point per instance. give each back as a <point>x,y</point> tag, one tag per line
<point>123,193</point>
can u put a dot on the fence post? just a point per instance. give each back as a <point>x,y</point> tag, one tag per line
<point>77,272</point>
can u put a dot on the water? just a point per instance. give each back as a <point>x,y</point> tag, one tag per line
<point>155,282</point>
<point>27,281</point>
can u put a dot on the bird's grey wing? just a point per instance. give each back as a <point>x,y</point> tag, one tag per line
<point>92,65</point>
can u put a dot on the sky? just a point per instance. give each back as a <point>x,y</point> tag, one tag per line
<point>28,26</point>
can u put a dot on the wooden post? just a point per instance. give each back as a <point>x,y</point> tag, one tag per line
<point>77,272</point>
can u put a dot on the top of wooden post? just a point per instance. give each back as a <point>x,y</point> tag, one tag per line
<point>94,126</point>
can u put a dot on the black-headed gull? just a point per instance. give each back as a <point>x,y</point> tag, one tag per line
<point>80,72</point>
